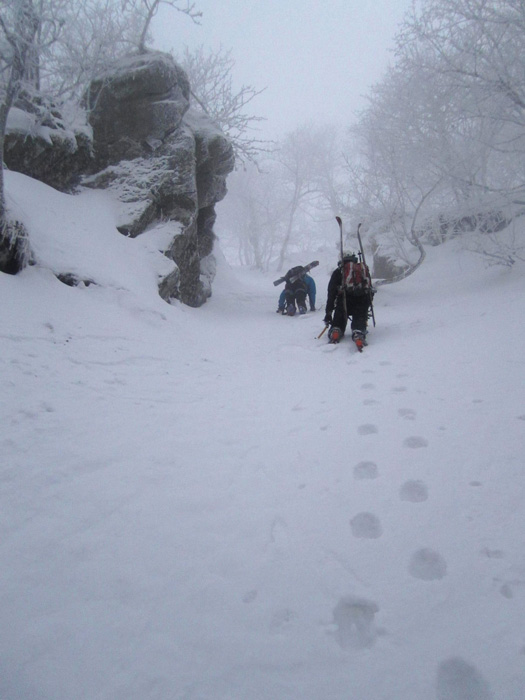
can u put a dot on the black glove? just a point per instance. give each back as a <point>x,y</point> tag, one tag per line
<point>328,319</point>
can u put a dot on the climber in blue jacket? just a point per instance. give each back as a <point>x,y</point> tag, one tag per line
<point>297,292</point>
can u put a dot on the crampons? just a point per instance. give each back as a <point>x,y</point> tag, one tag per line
<point>359,339</point>
<point>334,336</point>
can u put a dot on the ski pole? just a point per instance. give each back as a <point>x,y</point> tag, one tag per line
<point>362,253</point>
<point>343,290</point>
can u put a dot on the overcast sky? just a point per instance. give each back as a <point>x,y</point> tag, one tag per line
<point>316,58</point>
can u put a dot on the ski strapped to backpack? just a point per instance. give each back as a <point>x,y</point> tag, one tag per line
<point>294,278</point>
<point>343,296</point>
<point>356,275</point>
<point>369,290</point>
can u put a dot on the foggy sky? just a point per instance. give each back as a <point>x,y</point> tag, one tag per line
<point>315,58</point>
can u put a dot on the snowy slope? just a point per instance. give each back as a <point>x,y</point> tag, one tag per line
<point>213,504</point>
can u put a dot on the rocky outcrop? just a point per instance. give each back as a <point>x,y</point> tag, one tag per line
<point>40,144</point>
<point>163,162</point>
<point>136,106</point>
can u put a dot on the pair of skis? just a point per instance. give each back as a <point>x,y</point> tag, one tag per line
<point>294,278</point>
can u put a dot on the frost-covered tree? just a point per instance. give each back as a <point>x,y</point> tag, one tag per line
<point>287,204</point>
<point>95,34</point>
<point>474,50</point>
<point>23,24</point>
<point>251,214</point>
<point>210,73</point>
<point>146,10</point>
<point>443,135</point>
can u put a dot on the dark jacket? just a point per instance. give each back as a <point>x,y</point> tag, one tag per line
<point>334,287</point>
<point>310,290</point>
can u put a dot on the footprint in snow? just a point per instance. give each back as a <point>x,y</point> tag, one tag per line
<point>492,553</point>
<point>367,429</point>
<point>249,596</point>
<point>407,413</point>
<point>282,619</point>
<point>508,588</point>
<point>459,680</point>
<point>368,385</point>
<point>415,441</point>
<point>365,470</point>
<point>506,591</point>
<point>278,530</point>
<point>366,526</point>
<point>413,491</point>
<point>427,565</point>
<point>354,621</point>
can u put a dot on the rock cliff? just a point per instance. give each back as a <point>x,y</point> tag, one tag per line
<point>161,160</point>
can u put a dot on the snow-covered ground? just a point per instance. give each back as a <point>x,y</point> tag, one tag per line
<point>213,504</point>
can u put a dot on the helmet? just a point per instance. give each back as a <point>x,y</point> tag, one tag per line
<point>348,256</point>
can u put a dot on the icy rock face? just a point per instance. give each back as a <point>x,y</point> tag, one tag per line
<point>40,143</point>
<point>163,162</point>
<point>136,105</point>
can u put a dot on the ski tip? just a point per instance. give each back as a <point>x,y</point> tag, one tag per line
<point>339,220</point>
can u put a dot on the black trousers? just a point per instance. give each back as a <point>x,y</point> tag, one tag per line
<point>356,309</point>
<point>295,292</point>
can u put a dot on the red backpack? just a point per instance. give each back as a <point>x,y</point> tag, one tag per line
<point>356,276</point>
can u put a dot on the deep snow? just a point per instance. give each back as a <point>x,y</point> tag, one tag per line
<point>213,504</point>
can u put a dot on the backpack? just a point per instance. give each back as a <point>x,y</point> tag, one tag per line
<point>356,276</point>
<point>295,273</point>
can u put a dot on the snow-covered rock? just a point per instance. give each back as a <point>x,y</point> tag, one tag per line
<point>162,161</point>
<point>135,105</point>
<point>159,160</point>
<point>40,142</point>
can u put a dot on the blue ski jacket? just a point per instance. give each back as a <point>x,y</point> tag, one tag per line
<point>311,290</point>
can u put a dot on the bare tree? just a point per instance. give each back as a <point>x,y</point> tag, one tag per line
<point>96,33</point>
<point>286,204</point>
<point>20,26</point>
<point>210,73</point>
<point>147,9</point>
<point>443,136</point>
<point>252,214</point>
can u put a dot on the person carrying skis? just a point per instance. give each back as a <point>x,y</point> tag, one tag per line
<point>295,292</point>
<point>350,293</point>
